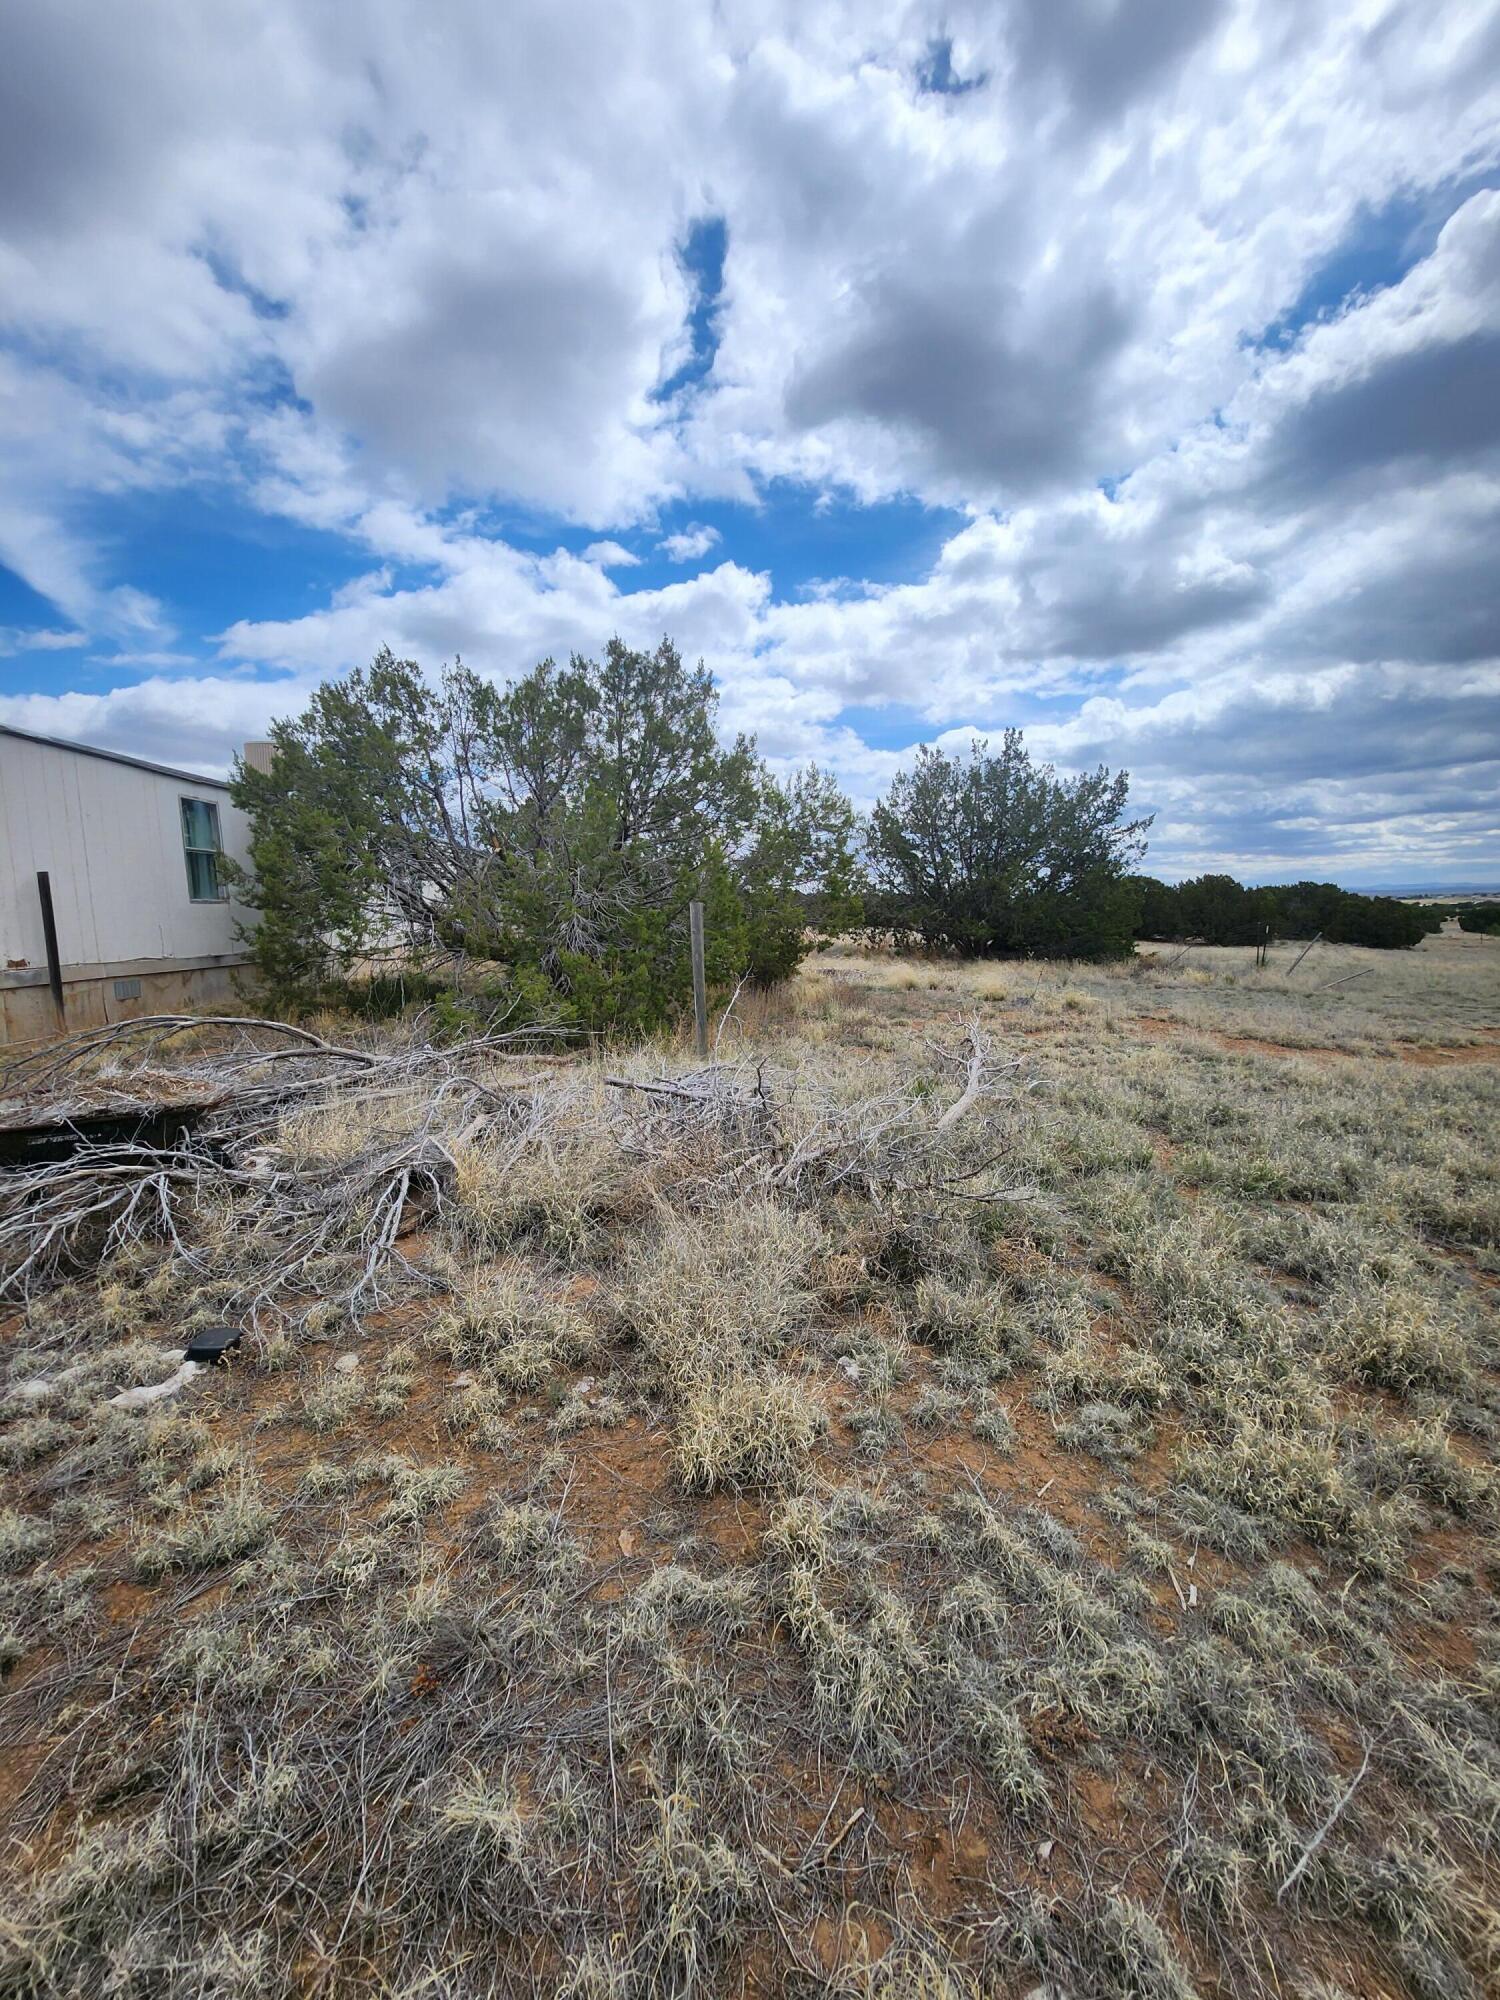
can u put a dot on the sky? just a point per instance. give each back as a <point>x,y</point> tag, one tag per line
<point>1124,370</point>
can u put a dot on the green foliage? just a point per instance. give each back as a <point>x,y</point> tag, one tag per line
<point>1161,908</point>
<point>1303,909</point>
<point>1216,909</point>
<point>1220,910</point>
<point>993,854</point>
<point>370,827</point>
<point>558,827</point>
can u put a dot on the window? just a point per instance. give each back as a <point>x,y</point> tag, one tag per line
<point>200,843</point>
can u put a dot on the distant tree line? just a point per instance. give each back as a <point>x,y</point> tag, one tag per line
<point>1216,909</point>
<point>534,849</point>
<point>1482,918</point>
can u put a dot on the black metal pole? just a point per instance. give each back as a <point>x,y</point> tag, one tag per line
<point>49,932</point>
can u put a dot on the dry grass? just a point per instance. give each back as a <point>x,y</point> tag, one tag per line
<point>1349,997</point>
<point>740,1561</point>
<point>714,1301</point>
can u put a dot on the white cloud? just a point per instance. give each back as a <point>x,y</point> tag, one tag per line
<point>689,544</point>
<point>38,639</point>
<point>198,725</point>
<point>610,555</point>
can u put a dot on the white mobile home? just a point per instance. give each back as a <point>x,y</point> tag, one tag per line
<point>112,898</point>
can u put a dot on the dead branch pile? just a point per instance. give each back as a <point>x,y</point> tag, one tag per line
<point>244,1077</point>
<point>303,1221</point>
<point>207,1062</point>
<point>785,1132</point>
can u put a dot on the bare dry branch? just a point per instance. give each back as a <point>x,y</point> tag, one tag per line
<point>324,1229</point>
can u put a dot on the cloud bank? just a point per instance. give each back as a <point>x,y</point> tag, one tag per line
<point>1180,320</point>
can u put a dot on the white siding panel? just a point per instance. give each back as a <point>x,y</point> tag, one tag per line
<point>110,837</point>
<point>69,832</point>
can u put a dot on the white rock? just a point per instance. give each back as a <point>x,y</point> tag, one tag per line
<point>584,1386</point>
<point>347,1363</point>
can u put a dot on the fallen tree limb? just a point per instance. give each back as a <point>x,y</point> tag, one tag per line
<point>653,1089</point>
<point>978,1055</point>
<point>1327,1827</point>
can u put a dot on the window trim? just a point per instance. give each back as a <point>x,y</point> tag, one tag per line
<point>211,806</point>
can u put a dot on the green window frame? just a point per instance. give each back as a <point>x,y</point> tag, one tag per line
<point>201,849</point>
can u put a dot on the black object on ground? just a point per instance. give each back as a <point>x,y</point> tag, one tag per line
<point>212,1343</point>
<point>23,1145</point>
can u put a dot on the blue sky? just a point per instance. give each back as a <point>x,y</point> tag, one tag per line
<point>1124,374</point>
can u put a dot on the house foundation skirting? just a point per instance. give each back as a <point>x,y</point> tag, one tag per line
<point>95,995</point>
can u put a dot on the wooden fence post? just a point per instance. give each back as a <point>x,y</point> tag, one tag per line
<point>1302,954</point>
<point>700,985</point>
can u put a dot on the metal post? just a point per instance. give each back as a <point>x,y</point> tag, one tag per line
<point>700,985</point>
<point>49,934</point>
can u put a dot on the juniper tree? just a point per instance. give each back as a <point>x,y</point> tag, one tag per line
<point>992,853</point>
<point>557,827</point>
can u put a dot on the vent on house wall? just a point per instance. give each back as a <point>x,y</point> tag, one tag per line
<point>127,989</point>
